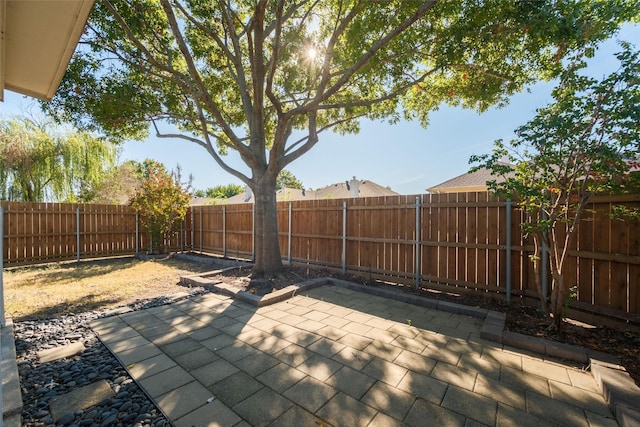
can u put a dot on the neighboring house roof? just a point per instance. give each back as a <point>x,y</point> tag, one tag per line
<point>37,39</point>
<point>353,188</point>
<point>347,189</point>
<point>467,182</point>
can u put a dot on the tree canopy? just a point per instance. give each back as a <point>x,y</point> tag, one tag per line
<point>574,148</point>
<point>40,161</point>
<point>286,179</point>
<point>267,77</point>
<point>220,191</point>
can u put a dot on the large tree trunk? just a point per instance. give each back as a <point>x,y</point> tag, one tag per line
<point>267,248</point>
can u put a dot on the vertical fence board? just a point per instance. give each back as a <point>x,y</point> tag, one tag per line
<point>601,268</point>
<point>451,235</point>
<point>472,238</point>
<point>619,275</point>
<point>483,239</point>
<point>461,238</point>
<point>493,225</point>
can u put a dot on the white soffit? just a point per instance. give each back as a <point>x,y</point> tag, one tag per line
<point>38,39</point>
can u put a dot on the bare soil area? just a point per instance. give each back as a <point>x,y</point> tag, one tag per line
<point>52,290</point>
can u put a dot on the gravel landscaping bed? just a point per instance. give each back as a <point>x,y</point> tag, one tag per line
<point>41,383</point>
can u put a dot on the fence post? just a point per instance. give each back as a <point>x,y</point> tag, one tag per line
<point>289,237</point>
<point>2,319</point>
<point>182,236</point>
<point>344,237</point>
<point>193,229</point>
<point>224,231</point>
<point>418,243</point>
<point>78,231</point>
<point>200,229</point>
<point>508,250</point>
<point>137,234</point>
<point>253,232</point>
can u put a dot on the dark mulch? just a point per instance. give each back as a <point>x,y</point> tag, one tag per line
<point>521,318</point>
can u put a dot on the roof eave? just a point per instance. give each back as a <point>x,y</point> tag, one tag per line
<point>38,40</point>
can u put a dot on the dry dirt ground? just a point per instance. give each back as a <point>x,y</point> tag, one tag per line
<point>52,290</point>
<point>64,288</point>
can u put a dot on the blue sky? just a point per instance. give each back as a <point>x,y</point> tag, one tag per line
<point>405,157</point>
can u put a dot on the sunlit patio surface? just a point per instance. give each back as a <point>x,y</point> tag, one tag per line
<point>335,356</point>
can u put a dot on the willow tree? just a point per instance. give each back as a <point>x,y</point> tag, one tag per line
<point>43,162</point>
<point>267,77</point>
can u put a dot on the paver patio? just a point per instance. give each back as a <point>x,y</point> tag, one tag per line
<point>334,356</point>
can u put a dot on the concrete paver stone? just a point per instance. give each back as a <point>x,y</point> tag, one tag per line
<point>262,407</point>
<point>196,359</point>
<point>472,405</point>
<point>281,377</point>
<point>235,388</point>
<point>554,410</point>
<point>424,387</point>
<point>437,415</point>
<point>166,381</point>
<point>57,353</point>
<point>150,366</point>
<point>344,410</point>
<point>213,372</point>
<point>181,347</point>
<point>139,353</point>
<point>389,400</point>
<point>183,400</point>
<point>80,399</point>
<point>385,371</point>
<point>319,367</point>
<point>310,393</point>
<point>351,382</point>
<point>297,416</point>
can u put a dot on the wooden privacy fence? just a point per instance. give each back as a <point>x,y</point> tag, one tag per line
<point>36,233</point>
<point>453,242</point>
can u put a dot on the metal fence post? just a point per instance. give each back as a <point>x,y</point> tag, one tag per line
<point>508,250</point>
<point>78,231</point>
<point>289,241</point>
<point>344,237</point>
<point>224,231</point>
<point>418,243</point>
<point>193,229</point>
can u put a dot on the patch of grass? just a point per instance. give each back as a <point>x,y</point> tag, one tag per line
<point>47,291</point>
